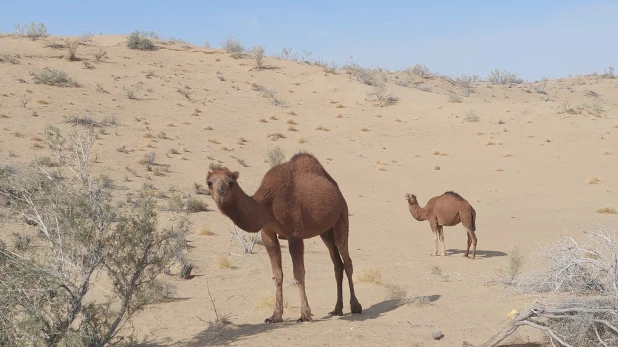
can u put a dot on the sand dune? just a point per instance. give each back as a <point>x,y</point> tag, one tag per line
<point>524,165</point>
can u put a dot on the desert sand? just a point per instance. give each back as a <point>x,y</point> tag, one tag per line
<point>524,166</point>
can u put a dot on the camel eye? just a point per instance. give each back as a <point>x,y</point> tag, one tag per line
<point>209,184</point>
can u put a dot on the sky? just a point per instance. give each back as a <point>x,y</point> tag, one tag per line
<point>535,39</point>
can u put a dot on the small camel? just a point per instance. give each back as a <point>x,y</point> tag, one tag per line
<point>296,200</point>
<point>448,209</point>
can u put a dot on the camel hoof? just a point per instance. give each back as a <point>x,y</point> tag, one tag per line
<point>303,319</point>
<point>336,312</point>
<point>356,307</point>
<point>465,256</point>
<point>273,320</point>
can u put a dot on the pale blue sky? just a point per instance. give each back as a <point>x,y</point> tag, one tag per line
<point>539,38</point>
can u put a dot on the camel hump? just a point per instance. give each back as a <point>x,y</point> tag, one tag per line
<point>307,163</point>
<point>452,193</point>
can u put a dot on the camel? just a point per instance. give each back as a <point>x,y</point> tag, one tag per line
<point>448,209</point>
<point>297,200</point>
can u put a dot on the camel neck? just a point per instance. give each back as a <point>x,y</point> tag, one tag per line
<point>417,212</point>
<point>246,213</point>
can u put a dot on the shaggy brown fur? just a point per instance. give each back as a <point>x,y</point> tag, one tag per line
<point>297,200</point>
<point>448,209</point>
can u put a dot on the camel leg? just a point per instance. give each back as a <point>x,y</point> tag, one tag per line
<point>473,241</point>
<point>434,230</point>
<point>271,243</point>
<point>441,236</point>
<point>341,240</point>
<point>469,243</point>
<point>297,250</point>
<point>329,240</point>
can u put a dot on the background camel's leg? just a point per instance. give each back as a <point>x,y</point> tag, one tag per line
<point>441,236</point>
<point>271,243</point>
<point>329,239</point>
<point>474,241</point>
<point>341,240</point>
<point>469,243</point>
<point>297,250</point>
<point>434,230</point>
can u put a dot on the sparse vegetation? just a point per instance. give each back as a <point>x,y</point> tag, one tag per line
<point>258,54</point>
<point>372,275</point>
<point>54,78</point>
<point>80,234</point>
<point>137,41</point>
<point>233,46</point>
<point>471,116</point>
<point>503,77</point>
<point>31,30</point>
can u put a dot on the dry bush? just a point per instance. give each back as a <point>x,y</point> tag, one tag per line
<point>399,296</point>
<point>72,49</point>
<point>206,232</point>
<point>436,270</point>
<point>137,41</point>
<point>233,46</point>
<point>503,77</point>
<point>454,98</point>
<point>54,78</point>
<point>512,271</point>
<point>267,301</point>
<point>246,240</point>
<point>100,55</point>
<point>80,235</point>
<point>31,30</point>
<point>380,92</point>
<point>275,156</point>
<point>372,275</point>
<point>418,70</point>
<point>196,205</point>
<point>258,54</point>
<point>471,116</point>
<point>584,277</point>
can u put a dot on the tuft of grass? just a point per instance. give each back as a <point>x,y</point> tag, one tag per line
<point>292,113</point>
<point>490,143</point>
<point>507,155</point>
<point>262,120</point>
<point>223,262</point>
<point>321,127</point>
<point>301,140</point>
<point>607,210</point>
<point>275,136</point>
<point>206,232</point>
<point>213,141</point>
<point>267,301</point>
<point>372,275</point>
<point>292,128</point>
<point>207,127</point>
<point>291,122</point>
<point>364,129</point>
<point>339,106</point>
<point>593,180</point>
<point>471,116</point>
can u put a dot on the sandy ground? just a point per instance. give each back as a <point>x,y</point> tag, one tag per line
<point>527,188</point>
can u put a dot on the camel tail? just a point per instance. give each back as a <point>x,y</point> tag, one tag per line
<point>473,222</point>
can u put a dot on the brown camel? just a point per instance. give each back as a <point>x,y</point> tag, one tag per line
<point>448,209</point>
<point>297,200</point>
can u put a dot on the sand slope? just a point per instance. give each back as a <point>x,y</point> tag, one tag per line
<point>527,188</point>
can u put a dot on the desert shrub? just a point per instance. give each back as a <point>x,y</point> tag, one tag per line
<point>71,47</point>
<point>471,116</point>
<point>275,156</point>
<point>233,46</point>
<point>54,78</point>
<point>609,73</point>
<point>81,235</point>
<point>258,54</point>
<point>380,92</point>
<point>31,30</point>
<point>418,70</point>
<point>584,277</point>
<point>247,240</point>
<point>137,41</point>
<point>503,77</point>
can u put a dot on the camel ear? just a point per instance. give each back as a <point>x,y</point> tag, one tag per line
<point>235,175</point>
<point>208,174</point>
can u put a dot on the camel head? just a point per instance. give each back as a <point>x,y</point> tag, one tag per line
<point>221,183</point>
<point>411,198</point>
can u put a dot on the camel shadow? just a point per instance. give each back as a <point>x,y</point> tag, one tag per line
<point>225,334</point>
<point>376,310</point>
<point>479,253</point>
